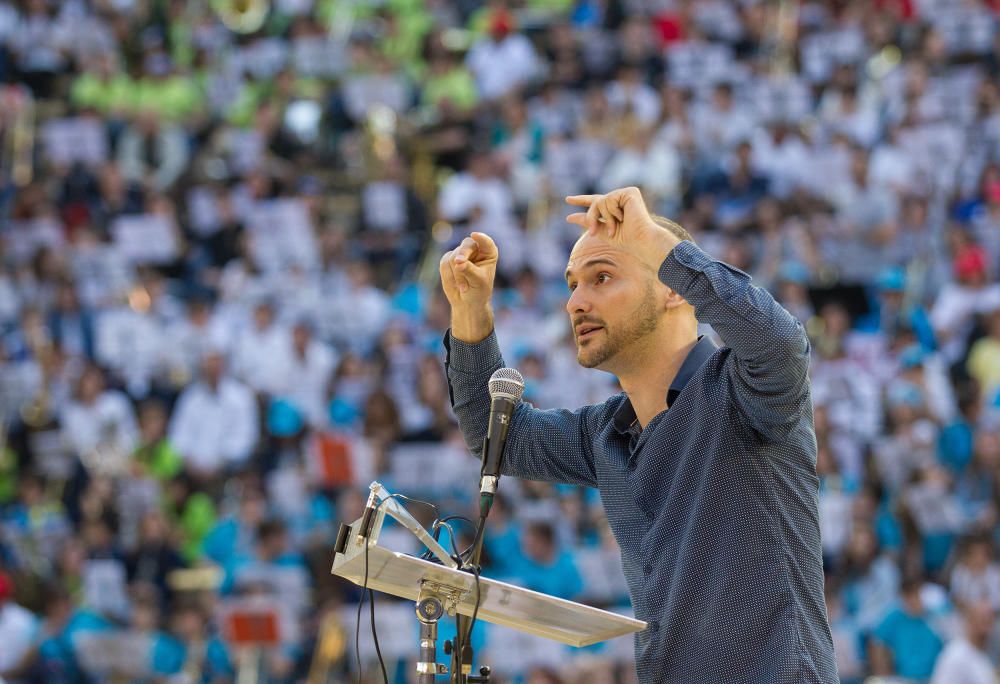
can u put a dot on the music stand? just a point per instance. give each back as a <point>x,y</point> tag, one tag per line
<point>444,589</point>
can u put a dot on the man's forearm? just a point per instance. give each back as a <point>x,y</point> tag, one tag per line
<point>748,319</point>
<point>471,325</point>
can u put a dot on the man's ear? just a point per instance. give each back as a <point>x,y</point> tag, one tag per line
<point>672,300</point>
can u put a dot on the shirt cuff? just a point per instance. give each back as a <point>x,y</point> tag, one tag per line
<point>676,270</point>
<point>464,357</point>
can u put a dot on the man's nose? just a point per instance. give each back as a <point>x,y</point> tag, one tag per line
<point>578,302</point>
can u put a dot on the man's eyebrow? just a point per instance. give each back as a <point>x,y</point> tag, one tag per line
<point>592,262</point>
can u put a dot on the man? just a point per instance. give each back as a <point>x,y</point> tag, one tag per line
<point>215,422</point>
<point>706,464</point>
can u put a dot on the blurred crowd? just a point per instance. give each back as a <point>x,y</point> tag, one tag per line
<point>219,319</point>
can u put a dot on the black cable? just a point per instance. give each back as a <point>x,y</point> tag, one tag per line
<point>436,533</point>
<point>480,529</point>
<point>451,535</point>
<point>460,559</point>
<point>463,519</point>
<point>475,611</point>
<point>357,625</point>
<point>462,640</point>
<point>378,651</point>
<point>371,594</point>
<point>437,512</point>
<point>458,517</point>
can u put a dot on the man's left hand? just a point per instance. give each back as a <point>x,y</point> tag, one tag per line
<point>622,217</point>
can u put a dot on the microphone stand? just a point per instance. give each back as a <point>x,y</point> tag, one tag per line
<point>506,387</point>
<point>461,652</point>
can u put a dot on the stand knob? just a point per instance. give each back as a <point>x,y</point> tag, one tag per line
<point>447,647</point>
<point>483,678</point>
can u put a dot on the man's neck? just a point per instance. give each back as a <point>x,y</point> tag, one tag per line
<point>649,378</point>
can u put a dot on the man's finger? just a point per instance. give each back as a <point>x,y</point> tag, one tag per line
<point>617,208</point>
<point>581,200</point>
<point>579,218</point>
<point>466,249</point>
<point>447,274</point>
<point>604,210</point>
<point>461,281</point>
<point>484,243</point>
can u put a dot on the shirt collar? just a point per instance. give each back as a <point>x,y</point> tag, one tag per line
<point>624,417</point>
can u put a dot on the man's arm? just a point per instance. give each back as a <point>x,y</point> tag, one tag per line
<point>554,445</point>
<point>770,346</point>
<point>541,445</point>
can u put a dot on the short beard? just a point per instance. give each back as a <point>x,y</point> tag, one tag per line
<point>642,321</point>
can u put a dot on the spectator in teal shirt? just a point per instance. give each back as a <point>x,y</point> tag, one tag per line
<point>201,654</point>
<point>64,624</point>
<point>543,567</point>
<point>904,643</point>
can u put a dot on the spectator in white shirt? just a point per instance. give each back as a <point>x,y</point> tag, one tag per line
<point>19,628</point>
<point>502,60</point>
<point>954,310</point>
<point>867,216</point>
<point>649,163</point>
<point>964,660</point>
<point>630,95</point>
<point>259,352</point>
<point>976,577</point>
<point>384,86</point>
<point>98,417</point>
<point>188,338</point>
<point>719,125</point>
<point>308,364</point>
<point>154,152</point>
<point>215,422</point>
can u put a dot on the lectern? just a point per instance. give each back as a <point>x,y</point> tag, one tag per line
<point>441,589</point>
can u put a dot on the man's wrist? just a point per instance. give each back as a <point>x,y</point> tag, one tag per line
<point>667,243</point>
<point>471,325</point>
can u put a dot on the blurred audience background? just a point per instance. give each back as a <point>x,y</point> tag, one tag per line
<point>219,315</point>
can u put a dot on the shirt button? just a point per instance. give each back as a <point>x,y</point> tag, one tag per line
<point>631,465</point>
<point>648,567</point>
<point>654,626</point>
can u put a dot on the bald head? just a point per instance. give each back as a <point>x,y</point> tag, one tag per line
<point>591,247</point>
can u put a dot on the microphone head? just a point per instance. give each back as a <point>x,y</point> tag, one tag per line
<point>506,383</point>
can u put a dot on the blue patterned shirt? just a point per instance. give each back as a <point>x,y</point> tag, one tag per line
<point>714,503</point>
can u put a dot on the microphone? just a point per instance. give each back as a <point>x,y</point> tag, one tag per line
<point>506,387</point>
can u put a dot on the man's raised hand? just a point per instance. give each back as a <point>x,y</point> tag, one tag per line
<point>622,218</point>
<point>467,275</point>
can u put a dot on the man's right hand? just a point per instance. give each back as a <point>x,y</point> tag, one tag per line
<point>467,275</point>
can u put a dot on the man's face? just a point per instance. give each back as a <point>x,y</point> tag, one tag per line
<point>612,305</point>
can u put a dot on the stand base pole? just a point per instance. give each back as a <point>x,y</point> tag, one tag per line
<point>429,610</point>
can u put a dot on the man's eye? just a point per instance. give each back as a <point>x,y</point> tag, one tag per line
<point>572,286</point>
<point>603,277</point>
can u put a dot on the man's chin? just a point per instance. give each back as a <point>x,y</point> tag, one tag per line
<point>588,358</point>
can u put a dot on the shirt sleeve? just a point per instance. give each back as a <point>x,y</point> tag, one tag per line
<point>770,348</point>
<point>551,445</point>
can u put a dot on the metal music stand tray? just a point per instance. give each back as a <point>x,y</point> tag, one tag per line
<point>444,589</point>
